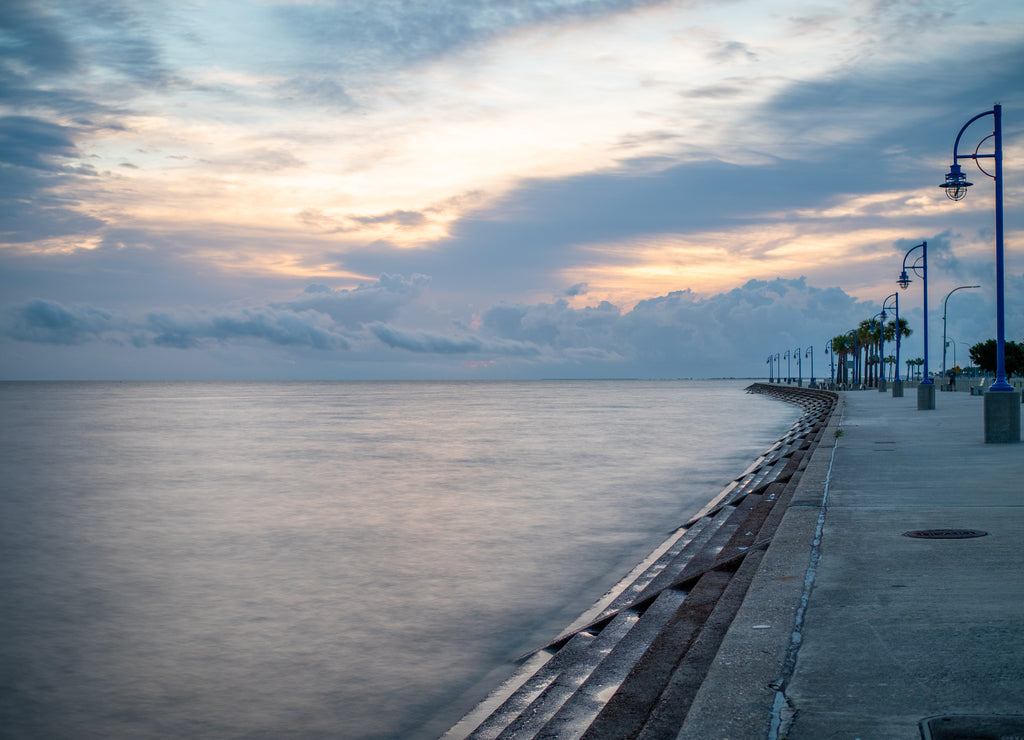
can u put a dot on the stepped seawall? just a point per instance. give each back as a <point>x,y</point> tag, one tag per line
<point>632,665</point>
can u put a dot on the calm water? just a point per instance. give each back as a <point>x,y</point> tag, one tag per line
<point>336,560</point>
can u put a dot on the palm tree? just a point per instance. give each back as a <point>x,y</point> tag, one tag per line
<point>868,335</point>
<point>890,336</point>
<point>917,362</point>
<point>840,348</point>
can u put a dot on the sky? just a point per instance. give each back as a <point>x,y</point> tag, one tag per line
<point>494,189</point>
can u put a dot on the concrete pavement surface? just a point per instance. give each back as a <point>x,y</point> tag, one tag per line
<point>851,628</point>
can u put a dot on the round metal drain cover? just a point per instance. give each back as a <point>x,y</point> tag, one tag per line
<point>945,534</point>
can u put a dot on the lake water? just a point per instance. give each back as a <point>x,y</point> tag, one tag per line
<point>326,560</point>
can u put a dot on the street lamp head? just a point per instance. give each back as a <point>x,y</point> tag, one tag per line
<point>903,281</point>
<point>956,183</point>
<point>884,315</point>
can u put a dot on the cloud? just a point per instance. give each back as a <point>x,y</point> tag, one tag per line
<point>29,211</point>
<point>368,303</point>
<point>34,156</point>
<point>319,319</point>
<point>49,322</point>
<point>680,334</point>
<point>26,141</point>
<point>429,343</point>
<point>731,51</point>
<point>382,35</point>
<point>284,328</point>
<point>33,41</point>
<point>399,218</point>
<point>80,38</point>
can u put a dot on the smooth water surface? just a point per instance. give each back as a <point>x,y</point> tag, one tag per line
<point>336,560</point>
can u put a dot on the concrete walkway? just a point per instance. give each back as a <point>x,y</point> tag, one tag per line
<point>851,629</point>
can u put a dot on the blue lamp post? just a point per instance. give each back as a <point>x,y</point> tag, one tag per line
<point>771,370</point>
<point>897,384</point>
<point>778,368</point>
<point>856,355</point>
<point>830,351</point>
<point>1002,402</point>
<point>882,316</point>
<point>799,368</point>
<point>810,353</point>
<point>926,389</point>
<point>944,307</point>
<point>789,369</point>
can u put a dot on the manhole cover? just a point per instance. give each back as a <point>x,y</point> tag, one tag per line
<point>977,727</point>
<point>945,534</point>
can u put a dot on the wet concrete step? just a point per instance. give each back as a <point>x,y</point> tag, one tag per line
<point>579,692</point>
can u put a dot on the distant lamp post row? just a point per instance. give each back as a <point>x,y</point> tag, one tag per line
<point>796,354</point>
<point>1002,402</point>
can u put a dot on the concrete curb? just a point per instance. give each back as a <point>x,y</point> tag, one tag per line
<point>742,696</point>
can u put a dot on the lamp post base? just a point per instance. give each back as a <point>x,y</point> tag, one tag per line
<point>1002,417</point>
<point>897,389</point>
<point>881,385</point>
<point>926,397</point>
